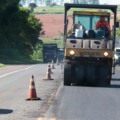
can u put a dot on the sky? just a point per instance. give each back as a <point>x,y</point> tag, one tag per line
<point>112,2</point>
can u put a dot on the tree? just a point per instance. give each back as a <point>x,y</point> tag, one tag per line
<point>48,2</point>
<point>19,30</point>
<point>53,4</point>
<point>93,1</point>
<point>83,1</point>
<point>75,1</point>
<point>32,6</point>
<point>118,29</point>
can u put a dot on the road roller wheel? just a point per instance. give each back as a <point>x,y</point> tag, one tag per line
<point>103,73</point>
<point>91,77</point>
<point>79,74</point>
<point>67,74</point>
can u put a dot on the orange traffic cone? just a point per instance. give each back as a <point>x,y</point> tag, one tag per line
<point>32,91</point>
<point>52,65</point>
<point>48,74</point>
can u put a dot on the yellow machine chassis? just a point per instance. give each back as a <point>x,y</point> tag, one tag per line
<point>89,53</point>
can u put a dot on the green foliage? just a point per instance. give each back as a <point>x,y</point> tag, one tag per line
<point>48,2</point>
<point>58,40</point>
<point>55,9</point>
<point>32,6</point>
<point>37,54</point>
<point>53,4</point>
<point>19,30</point>
<point>118,29</point>
<point>1,65</point>
<point>118,8</point>
<point>49,10</point>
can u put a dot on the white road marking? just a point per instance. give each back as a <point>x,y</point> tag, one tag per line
<point>16,71</point>
<point>42,118</point>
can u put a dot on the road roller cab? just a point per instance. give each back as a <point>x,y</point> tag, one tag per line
<point>88,52</point>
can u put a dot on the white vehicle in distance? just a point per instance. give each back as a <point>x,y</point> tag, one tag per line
<point>117,55</point>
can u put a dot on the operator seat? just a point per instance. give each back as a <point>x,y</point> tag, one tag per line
<point>90,34</point>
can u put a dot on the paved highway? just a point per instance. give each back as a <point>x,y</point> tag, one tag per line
<point>87,103</point>
<point>58,102</point>
<point>14,85</point>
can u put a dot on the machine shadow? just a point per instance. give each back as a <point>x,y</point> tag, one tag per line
<point>115,85</point>
<point>5,111</point>
<point>115,79</point>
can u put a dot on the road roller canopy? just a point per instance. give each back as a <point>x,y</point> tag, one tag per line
<point>80,20</point>
<point>88,19</point>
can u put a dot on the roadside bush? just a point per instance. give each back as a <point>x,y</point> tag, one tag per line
<point>19,30</point>
<point>118,29</point>
<point>37,53</point>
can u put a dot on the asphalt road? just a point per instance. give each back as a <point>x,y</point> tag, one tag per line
<point>58,102</point>
<point>87,103</point>
<point>14,86</point>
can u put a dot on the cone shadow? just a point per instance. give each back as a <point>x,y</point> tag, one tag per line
<point>5,111</point>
